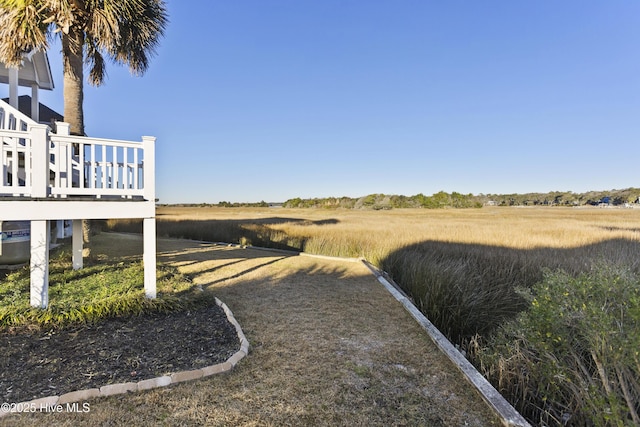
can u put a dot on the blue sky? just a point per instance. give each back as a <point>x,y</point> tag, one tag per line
<point>273,99</point>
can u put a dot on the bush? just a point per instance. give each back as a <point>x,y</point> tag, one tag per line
<point>573,357</point>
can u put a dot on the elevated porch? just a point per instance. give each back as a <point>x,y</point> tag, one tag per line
<point>50,175</point>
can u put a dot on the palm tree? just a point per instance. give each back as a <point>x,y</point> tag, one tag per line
<point>124,31</point>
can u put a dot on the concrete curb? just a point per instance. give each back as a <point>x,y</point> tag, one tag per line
<point>507,413</point>
<point>45,404</point>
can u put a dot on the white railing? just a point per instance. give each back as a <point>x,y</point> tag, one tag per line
<point>12,119</point>
<point>37,164</point>
<point>15,151</point>
<point>98,167</point>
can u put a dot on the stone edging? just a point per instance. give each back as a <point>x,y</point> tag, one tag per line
<point>507,413</point>
<point>112,389</point>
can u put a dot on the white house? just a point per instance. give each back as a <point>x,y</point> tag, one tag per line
<point>49,175</point>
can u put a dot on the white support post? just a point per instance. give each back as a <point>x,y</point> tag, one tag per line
<point>39,264</point>
<point>76,244</point>
<point>149,224</point>
<point>13,87</point>
<point>40,160</point>
<point>35,103</point>
<point>148,144</point>
<point>149,256</point>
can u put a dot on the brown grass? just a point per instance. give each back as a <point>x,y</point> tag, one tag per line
<point>329,346</point>
<point>374,234</point>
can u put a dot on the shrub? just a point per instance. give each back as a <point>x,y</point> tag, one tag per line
<point>573,356</point>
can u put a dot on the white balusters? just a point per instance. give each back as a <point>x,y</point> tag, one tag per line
<point>79,166</point>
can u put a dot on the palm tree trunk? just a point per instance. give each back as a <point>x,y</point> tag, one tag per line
<point>73,76</point>
<point>73,80</point>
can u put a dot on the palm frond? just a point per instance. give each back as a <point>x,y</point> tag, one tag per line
<point>125,31</point>
<point>22,29</point>
<point>97,65</point>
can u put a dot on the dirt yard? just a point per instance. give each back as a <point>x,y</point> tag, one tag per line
<point>329,346</point>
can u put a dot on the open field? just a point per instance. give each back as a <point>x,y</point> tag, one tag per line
<point>376,234</point>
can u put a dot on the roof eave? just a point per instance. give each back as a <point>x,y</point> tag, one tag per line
<point>35,70</point>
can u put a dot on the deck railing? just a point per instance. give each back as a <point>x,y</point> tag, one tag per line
<point>37,163</point>
<point>13,119</point>
<point>16,162</point>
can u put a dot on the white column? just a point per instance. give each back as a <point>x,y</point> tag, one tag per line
<point>148,143</point>
<point>40,264</point>
<point>39,160</point>
<point>35,103</point>
<point>59,229</point>
<point>149,256</point>
<point>76,244</point>
<point>13,87</point>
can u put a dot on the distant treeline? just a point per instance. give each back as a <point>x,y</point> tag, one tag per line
<point>261,204</point>
<point>443,199</point>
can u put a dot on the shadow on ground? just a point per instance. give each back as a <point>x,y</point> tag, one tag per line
<point>256,232</point>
